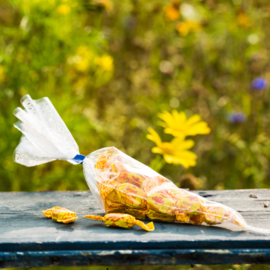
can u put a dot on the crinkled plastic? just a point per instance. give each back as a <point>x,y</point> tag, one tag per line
<point>119,183</point>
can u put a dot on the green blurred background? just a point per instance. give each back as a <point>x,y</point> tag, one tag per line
<point>109,67</point>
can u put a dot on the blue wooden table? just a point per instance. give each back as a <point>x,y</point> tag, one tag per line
<point>28,239</point>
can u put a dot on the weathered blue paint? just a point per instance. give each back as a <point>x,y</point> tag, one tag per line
<point>134,257</point>
<point>135,245</point>
<point>28,239</point>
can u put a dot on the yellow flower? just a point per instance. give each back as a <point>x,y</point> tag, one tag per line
<point>174,152</point>
<point>63,9</point>
<point>105,61</point>
<point>243,20</point>
<point>178,125</point>
<point>184,28</point>
<point>83,58</point>
<point>172,11</point>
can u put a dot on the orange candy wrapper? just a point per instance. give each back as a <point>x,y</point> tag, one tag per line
<point>119,183</point>
<point>60,214</point>
<point>122,221</point>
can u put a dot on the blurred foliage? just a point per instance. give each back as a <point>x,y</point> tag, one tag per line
<point>111,67</point>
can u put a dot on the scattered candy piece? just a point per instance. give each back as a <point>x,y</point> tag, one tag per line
<point>265,204</point>
<point>123,221</point>
<point>60,214</point>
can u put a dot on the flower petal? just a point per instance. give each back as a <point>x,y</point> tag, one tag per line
<point>193,119</point>
<point>153,136</point>
<point>200,128</point>
<point>157,150</point>
<point>180,144</point>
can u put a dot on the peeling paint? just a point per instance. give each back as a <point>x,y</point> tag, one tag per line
<point>252,254</point>
<point>105,253</point>
<point>125,251</point>
<point>218,251</point>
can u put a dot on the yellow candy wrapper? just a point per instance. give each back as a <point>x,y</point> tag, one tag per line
<point>60,214</point>
<point>152,214</point>
<point>118,182</point>
<point>122,221</point>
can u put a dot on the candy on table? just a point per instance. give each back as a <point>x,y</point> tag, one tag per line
<point>113,207</point>
<point>123,221</point>
<point>162,202</point>
<point>128,174</point>
<point>182,217</point>
<point>113,197</point>
<point>103,158</point>
<point>131,196</point>
<point>214,214</point>
<point>152,214</point>
<point>197,219</point>
<point>120,184</point>
<point>153,182</point>
<point>105,187</point>
<point>60,214</point>
<point>137,213</point>
<point>189,203</point>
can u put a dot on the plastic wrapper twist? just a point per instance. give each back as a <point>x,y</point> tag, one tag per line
<point>119,183</point>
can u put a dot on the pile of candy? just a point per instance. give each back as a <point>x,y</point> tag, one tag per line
<point>126,186</point>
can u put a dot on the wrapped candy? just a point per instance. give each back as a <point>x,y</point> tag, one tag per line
<point>122,221</point>
<point>60,214</point>
<point>118,183</point>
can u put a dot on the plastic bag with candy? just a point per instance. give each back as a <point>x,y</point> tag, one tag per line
<point>119,183</point>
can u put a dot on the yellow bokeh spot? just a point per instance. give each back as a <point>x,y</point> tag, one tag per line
<point>105,62</point>
<point>2,74</point>
<point>184,28</point>
<point>172,13</point>
<point>63,9</point>
<point>83,65</point>
<point>243,20</point>
<point>106,4</point>
<point>83,58</point>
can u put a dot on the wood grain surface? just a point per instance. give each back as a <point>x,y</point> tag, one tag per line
<point>27,238</point>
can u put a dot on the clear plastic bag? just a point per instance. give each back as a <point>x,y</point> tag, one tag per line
<point>119,183</point>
